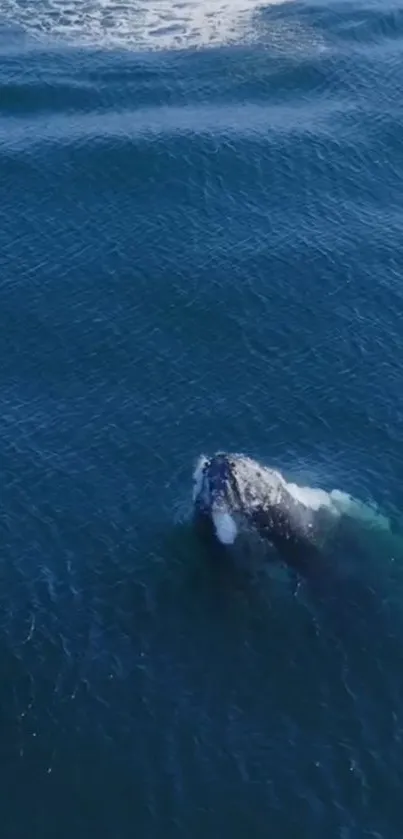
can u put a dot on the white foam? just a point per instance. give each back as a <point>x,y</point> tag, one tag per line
<point>369,513</point>
<point>145,24</point>
<point>225,526</point>
<point>198,476</point>
<point>311,497</point>
<point>339,503</point>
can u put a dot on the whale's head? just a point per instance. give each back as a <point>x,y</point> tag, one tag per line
<point>235,496</point>
<point>216,496</point>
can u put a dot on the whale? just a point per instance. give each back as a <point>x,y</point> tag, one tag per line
<point>239,500</point>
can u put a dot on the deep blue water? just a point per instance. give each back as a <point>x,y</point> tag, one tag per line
<point>200,247</point>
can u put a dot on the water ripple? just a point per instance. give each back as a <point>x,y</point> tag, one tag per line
<point>198,249</point>
<point>143,25</point>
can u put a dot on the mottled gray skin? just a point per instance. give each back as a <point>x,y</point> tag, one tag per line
<point>258,501</point>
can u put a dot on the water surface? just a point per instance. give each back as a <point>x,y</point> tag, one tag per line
<point>200,248</point>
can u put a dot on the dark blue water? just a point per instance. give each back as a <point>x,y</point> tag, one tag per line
<point>200,247</point>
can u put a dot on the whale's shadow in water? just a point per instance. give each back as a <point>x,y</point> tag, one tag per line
<point>348,602</point>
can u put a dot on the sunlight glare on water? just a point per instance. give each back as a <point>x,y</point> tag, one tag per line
<point>145,25</point>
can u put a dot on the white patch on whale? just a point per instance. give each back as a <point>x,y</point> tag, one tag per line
<point>225,526</point>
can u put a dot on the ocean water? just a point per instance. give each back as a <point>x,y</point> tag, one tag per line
<point>200,248</point>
